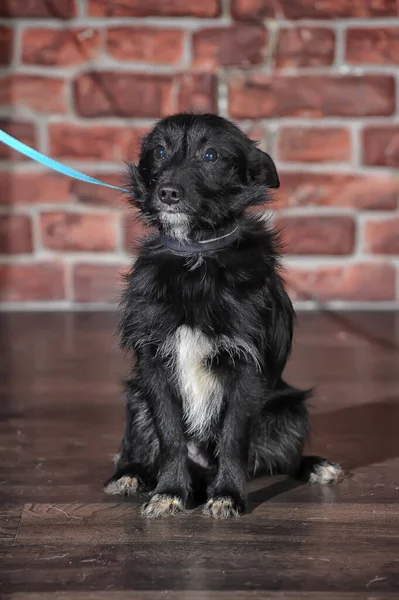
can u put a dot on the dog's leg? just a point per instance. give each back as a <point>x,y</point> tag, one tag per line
<point>173,485</point>
<point>279,433</point>
<point>278,438</point>
<point>136,463</point>
<point>227,495</point>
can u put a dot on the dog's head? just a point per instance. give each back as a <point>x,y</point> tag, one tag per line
<point>197,173</point>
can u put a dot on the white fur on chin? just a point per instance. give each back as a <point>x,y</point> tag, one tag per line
<point>176,224</point>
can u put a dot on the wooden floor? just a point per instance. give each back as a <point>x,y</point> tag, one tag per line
<point>61,420</point>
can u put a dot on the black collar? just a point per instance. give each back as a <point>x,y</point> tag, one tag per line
<point>224,238</point>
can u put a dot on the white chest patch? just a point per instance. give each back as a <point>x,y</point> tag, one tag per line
<point>187,351</point>
<point>200,388</point>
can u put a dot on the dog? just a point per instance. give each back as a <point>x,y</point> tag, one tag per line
<point>206,316</point>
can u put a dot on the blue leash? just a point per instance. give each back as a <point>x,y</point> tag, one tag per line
<point>50,163</point>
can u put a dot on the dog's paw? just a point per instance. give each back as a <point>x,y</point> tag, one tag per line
<point>327,473</point>
<point>124,486</point>
<point>222,507</point>
<point>162,505</point>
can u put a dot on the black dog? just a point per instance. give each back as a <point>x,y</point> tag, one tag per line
<point>207,317</point>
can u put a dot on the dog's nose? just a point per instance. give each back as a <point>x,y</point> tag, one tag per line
<point>170,193</point>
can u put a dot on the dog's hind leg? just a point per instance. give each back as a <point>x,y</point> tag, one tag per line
<point>279,436</point>
<point>136,463</point>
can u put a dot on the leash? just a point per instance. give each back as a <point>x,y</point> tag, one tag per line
<point>51,163</point>
<point>229,237</point>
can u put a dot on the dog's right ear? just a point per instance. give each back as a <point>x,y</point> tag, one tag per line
<point>262,168</point>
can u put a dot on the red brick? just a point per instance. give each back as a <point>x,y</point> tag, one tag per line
<point>55,47</point>
<point>24,282</point>
<point>154,8</point>
<point>98,142</point>
<point>381,146</point>
<point>379,46</point>
<point>354,282</point>
<point>334,9</point>
<point>19,188</point>
<point>98,283</point>
<point>239,46</point>
<point>15,234</point>
<point>304,47</point>
<point>382,236</point>
<point>315,145</point>
<point>258,133</point>
<point>41,94</point>
<point>96,195</point>
<point>333,235</point>
<point>197,93</point>
<point>361,192</point>
<point>134,231</point>
<point>6,44</point>
<point>36,9</point>
<point>146,44</point>
<point>250,10</point>
<point>103,94</point>
<point>311,96</point>
<point>79,232</point>
<point>24,132</point>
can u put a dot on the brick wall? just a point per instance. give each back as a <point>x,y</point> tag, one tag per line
<point>315,82</point>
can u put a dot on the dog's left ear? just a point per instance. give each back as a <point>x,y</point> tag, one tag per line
<point>263,169</point>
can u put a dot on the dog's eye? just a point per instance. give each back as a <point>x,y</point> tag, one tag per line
<point>159,152</point>
<point>210,155</point>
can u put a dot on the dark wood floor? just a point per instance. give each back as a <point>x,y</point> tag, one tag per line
<point>61,419</point>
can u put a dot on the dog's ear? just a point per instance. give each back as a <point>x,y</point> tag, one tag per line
<point>134,183</point>
<point>262,168</point>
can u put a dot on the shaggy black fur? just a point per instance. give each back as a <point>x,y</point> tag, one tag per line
<point>197,175</point>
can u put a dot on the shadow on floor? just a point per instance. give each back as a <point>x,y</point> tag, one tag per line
<point>356,436</point>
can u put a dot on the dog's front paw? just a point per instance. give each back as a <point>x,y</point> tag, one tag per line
<point>124,486</point>
<point>162,505</point>
<point>222,507</point>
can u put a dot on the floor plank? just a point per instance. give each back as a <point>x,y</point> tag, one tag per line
<point>60,423</point>
<point>10,518</point>
<point>207,595</point>
<point>285,562</point>
<point>121,523</point>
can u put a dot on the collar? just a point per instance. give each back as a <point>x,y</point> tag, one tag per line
<point>226,237</point>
